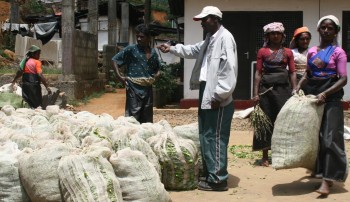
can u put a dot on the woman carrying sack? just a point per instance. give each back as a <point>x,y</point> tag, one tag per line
<point>31,72</point>
<point>325,77</point>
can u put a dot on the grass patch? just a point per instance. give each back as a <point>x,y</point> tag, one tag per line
<point>13,70</point>
<point>244,152</point>
<point>7,70</point>
<point>50,70</point>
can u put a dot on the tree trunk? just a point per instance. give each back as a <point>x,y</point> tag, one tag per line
<point>148,12</point>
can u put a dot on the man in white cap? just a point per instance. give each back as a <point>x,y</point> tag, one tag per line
<point>215,75</point>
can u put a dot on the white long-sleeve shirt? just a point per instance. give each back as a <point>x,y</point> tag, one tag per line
<point>222,66</point>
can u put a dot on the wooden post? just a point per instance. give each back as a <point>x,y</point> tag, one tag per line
<point>14,16</point>
<point>112,22</point>
<point>68,37</point>
<point>148,12</point>
<point>124,31</point>
<point>93,16</point>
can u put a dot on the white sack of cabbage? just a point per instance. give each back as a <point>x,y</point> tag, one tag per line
<point>127,137</point>
<point>188,131</point>
<point>17,130</point>
<point>8,109</point>
<point>138,178</point>
<point>178,158</point>
<point>89,176</point>
<point>10,183</point>
<point>295,136</point>
<point>34,131</point>
<point>191,131</point>
<point>151,129</point>
<point>99,121</point>
<point>38,171</point>
<point>7,88</point>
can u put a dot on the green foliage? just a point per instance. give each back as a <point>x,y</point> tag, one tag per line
<point>9,41</point>
<point>244,152</point>
<point>176,69</point>
<point>8,70</point>
<point>160,5</point>
<point>261,122</point>
<point>112,80</point>
<point>74,102</point>
<point>49,70</point>
<point>13,70</point>
<point>34,7</point>
<point>3,54</point>
<point>167,81</point>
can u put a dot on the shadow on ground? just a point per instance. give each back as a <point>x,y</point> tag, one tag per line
<point>304,185</point>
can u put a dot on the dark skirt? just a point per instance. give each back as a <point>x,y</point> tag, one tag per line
<point>31,90</point>
<point>332,162</point>
<point>271,102</point>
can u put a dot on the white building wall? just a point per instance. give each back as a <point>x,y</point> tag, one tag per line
<point>311,14</point>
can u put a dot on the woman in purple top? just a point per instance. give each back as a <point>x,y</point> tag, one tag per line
<point>325,77</point>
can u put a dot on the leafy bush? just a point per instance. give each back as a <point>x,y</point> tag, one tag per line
<point>112,80</point>
<point>167,81</point>
<point>8,41</point>
<point>177,69</point>
<point>35,7</point>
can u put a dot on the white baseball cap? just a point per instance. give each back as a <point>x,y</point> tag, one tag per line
<point>208,10</point>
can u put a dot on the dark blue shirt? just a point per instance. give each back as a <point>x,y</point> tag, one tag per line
<point>137,65</point>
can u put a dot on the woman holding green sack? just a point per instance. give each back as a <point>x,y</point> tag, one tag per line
<point>325,77</point>
<point>31,72</point>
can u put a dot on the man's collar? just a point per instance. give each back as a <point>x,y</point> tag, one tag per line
<point>216,33</point>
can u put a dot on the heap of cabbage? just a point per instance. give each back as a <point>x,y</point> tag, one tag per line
<point>58,155</point>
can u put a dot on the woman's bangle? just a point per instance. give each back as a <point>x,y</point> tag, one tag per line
<point>323,95</point>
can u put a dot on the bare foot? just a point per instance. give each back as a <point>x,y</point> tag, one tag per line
<point>264,162</point>
<point>324,188</point>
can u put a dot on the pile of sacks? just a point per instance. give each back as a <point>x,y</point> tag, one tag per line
<point>57,155</point>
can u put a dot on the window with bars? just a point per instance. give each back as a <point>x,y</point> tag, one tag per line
<point>346,33</point>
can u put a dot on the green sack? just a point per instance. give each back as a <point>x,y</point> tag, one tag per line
<point>11,99</point>
<point>23,63</point>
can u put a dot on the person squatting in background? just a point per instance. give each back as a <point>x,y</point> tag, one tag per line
<point>272,87</point>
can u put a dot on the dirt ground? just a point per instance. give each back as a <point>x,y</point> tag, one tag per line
<point>247,182</point>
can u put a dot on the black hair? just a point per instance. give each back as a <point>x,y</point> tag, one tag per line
<point>216,17</point>
<point>142,28</point>
<point>31,54</point>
